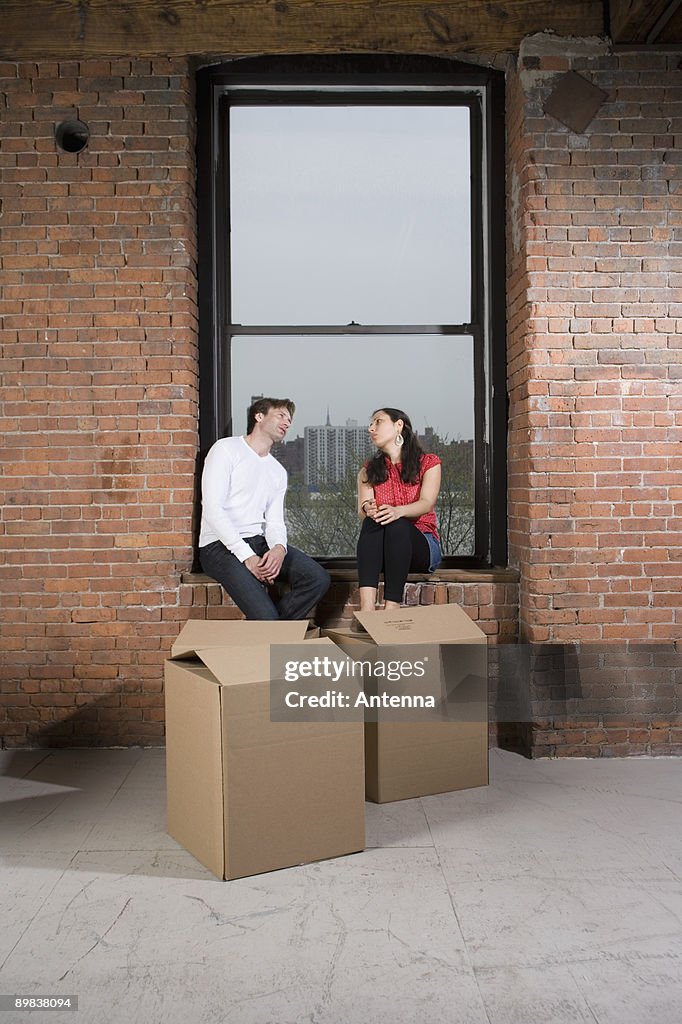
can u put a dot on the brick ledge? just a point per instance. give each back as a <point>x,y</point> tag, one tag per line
<point>498,575</point>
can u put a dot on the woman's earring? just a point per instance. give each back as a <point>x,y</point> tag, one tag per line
<point>399,440</point>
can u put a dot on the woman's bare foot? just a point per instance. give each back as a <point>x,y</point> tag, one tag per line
<point>368,598</point>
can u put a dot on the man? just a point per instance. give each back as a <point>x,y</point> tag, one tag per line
<point>243,538</point>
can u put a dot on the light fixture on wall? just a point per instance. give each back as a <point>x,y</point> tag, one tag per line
<point>72,136</point>
<point>574,101</point>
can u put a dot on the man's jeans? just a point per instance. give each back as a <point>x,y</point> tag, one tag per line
<point>307,580</point>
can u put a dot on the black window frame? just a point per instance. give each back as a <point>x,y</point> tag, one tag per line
<point>365,79</point>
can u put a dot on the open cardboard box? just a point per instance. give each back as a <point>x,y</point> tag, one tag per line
<point>246,794</point>
<point>448,750</point>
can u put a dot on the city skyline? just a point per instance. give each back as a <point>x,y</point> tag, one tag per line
<point>327,453</point>
<point>293,437</point>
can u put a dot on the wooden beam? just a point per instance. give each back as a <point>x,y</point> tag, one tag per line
<point>671,33</point>
<point>639,21</point>
<point>34,29</point>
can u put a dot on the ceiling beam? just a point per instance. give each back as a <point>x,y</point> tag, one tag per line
<point>639,21</point>
<point>34,29</point>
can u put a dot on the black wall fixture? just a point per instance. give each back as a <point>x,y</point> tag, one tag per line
<point>574,101</point>
<point>72,136</point>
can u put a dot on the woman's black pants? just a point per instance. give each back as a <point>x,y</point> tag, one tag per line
<point>396,550</point>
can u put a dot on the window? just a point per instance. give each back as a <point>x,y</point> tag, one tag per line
<point>351,255</point>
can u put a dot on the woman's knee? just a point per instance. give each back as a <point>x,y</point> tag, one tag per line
<point>398,528</point>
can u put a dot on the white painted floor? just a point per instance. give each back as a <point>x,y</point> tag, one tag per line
<point>552,896</point>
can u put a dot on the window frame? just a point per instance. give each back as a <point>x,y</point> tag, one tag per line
<point>365,79</point>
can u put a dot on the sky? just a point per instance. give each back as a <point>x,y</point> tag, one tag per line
<point>430,378</point>
<point>361,214</point>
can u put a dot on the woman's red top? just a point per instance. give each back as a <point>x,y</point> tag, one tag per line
<point>394,491</point>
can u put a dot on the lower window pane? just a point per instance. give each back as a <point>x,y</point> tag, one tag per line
<point>336,383</point>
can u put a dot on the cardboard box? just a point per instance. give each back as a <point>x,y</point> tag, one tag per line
<point>448,750</point>
<point>246,794</point>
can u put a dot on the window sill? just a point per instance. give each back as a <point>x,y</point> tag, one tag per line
<point>497,575</point>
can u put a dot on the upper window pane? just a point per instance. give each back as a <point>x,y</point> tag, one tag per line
<point>358,213</point>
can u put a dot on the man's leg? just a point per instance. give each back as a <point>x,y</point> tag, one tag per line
<point>248,593</point>
<point>308,581</point>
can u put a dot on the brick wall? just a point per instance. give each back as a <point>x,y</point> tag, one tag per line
<point>100,391</point>
<point>99,405</point>
<point>595,360</point>
<point>595,357</point>
<point>99,395</point>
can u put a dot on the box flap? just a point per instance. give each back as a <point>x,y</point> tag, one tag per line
<point>236,664</point>
<point>233,664</point>
<point>200,634</point>
<point>442,623</point>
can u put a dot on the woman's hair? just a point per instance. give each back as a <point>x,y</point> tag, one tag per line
<point>411,452</point>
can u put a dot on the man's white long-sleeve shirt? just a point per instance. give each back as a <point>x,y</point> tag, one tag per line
<point>242,496</point>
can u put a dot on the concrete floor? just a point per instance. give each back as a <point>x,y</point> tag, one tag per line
<point>552,896</point>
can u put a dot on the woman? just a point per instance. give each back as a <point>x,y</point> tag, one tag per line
<point>397,491</point>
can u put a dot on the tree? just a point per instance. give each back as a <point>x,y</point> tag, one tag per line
<point>324,523</point>
<point>455,507</point>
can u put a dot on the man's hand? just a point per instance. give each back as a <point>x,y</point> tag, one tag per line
<point>253,564</point>
<point>271,563</point>
<point>386,514</point>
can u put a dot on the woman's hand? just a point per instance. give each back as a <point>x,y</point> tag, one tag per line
<point>386,514</point>
<point>369,507</point>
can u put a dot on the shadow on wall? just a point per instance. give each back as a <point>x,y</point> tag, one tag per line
<point>117,719</point>
<point>547,698</point>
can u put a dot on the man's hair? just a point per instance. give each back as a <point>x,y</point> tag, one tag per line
<point>264,405</point>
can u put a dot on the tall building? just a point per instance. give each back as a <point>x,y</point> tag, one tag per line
<point>290,454</point>
<point>330,452</point>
